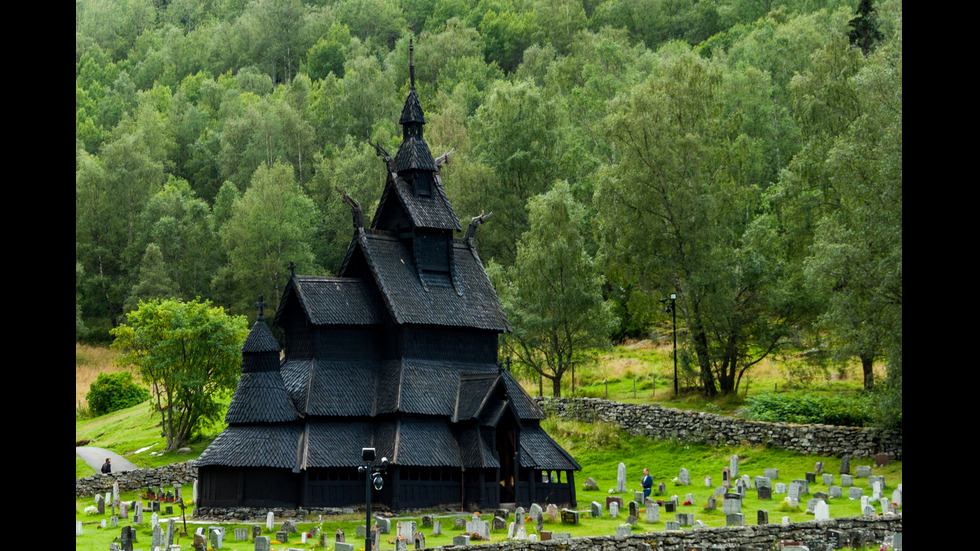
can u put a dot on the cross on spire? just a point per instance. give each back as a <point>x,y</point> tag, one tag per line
<point>260,305</point>
<point>411,60</point>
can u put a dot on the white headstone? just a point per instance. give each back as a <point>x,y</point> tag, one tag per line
<point>78,528</point>
<point>621,478</point>
<point>270,521</point>
<point>821,511</point>
<point>733,467</point>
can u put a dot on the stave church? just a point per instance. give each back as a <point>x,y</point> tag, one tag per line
<point>398,352</point>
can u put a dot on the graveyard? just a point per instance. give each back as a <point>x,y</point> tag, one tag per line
<point>694,486</point>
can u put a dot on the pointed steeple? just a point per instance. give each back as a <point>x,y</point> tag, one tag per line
<point>413,154</point>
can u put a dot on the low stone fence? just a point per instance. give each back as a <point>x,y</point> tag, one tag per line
<point>160,477</point>
<point>817,535</point>
<point>690,426</point>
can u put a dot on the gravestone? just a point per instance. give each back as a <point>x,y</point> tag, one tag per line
<point>733,466</point>
<point>545,535</point>
<point>707,482</point>
<point>811,477</point>
<point>672,525</point>
<point>535,511</point>
<point>828,479</point>
<point>590,485</point>
<point>406,530</point>
<point>217,537</point>
<point>289,527</point>
<point>765,492</point>
<point>256,533</point>
<point>726,478</point>
<point>855,492</point>
<point>613,509</point>
<point>479,527</point>
<point>795,490</point>
<point>241,534</point>
<point>881,459</point>
<point>384,525</point>
<point>270,521</point>
<point>670,507</point>
<point>436,528</point>
<point>596,509</point>
<point>282,537</point>
<point>156,538</point>
<point>126,538</point>
<point>344,546</point>
<point>712,504</point>
<point>653,512</point>
<point>846,480</point>
<point>684,477</point>
<point>621,478</point>
<point>631,520</point>
<point>561,536</point>
<point>78,528</point>
<point>100,503</point>
<point>762,517</point>
<point>897,497</point>
<point>427,521</point>
<point>339,536</point>
<point>638,497</point>
<point>886,506</point>
<point>734,519</point>
<point>569,516</point>
<point>875,478</point>
<point>634,509</point>
<point>779,488</point>
<point>685,519</point>
<point>499,523</point>
<point>845,464</point>
<point>461,540</point>
<point>771,474</point>
<point>661,488</point>
<point>821,511</point>
<point>419,540</point>
<point>732,503</point>
<point>552,511</point>
<point>623,530</point>
<point>818,469</point>
<point>834,491</point>
<point>862,471</point>
<point>138,512</point>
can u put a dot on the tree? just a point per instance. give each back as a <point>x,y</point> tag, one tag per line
<point>153,282</point>
<point>864,31</point>
<point>677,207</point>
<point>553,293</point>
<point>189,353</point>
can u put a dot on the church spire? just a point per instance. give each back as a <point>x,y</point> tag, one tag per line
<point>413,154</point>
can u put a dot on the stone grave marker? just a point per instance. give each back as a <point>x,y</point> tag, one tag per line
<point>685,519</point>
<point>886,506</point>
<point>670,506</point>
<point>811,477</point>
<point>765,492</point>
<point>661,488</point>
<point>569,516</point>
<point>156,538</point>
<point>552,510</point>
<point>623,530</point>
<point>835,491</point>
<point>520,516</point>
<point>733,466</point>
<point>407,528</point>
<point>561,535</point>
<point>621,478</point>
<point>596,509</point>
<point>653,512</point>
<point>100,504</point>
<point>499,523</point>
<point>855,492</point>
<point>862,471</point>
<point>818,469</point>
<point>684,477</point>
<point>256,533</point>
<point>289,526</point>
<point>241,534</point>
<point>126,537</point>
<point>339,536</point>
<point>634,509</point>
<point>734,519</point>
<point>282,537</point>
<point>828,479</point>
<point>613,509</point>
<point>732,503</point>
<point>712,504</point>
<point>779,488</point>
<point>78,528</point>
<point>590,484</point>
<point>270,521</point>
<point>881,459</point>
<point>461,540</point>
<point>897,497</point>
<point>726,478</point>
<point>344,546</point>
<point>846,480</point>
<point>479,527</point>
<point>631,520</point>
<point>707,482</point>
<point>426,521</point>
<point>845,464</point>
<point>771,474</point>
<point>216,535</point>
<point>536,511</point>
<point>672,525</point>
<point>384,525</point>
<point>436,528</point>
<point>638,497</point>
<point>762,517</point>
<point>419,540</point>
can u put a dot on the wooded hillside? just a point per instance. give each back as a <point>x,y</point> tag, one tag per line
<point>744,154</point>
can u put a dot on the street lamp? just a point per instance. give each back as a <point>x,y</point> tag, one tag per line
<point>672,308</point>
<point>372,478</point>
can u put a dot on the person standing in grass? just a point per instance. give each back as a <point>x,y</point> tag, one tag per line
<point>647,483</point>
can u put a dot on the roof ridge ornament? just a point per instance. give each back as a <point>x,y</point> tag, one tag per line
<point>411,61</point>
<point>355,209</point>
<point>474,222</point>
<point>260,305</point>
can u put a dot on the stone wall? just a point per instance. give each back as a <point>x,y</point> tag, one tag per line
<point>160,477</point>
<point>817,535</point>
<point>690,426</point>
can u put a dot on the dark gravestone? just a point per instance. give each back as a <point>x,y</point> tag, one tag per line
<point>670,507</point>
<point>765,492</point>
<point>126,538</point>
<point>845,464</point>
<point>881,459</point>
<point>763,517</point>
<point>811,478</point>
<point>569,517</point>
<point>256,532</point>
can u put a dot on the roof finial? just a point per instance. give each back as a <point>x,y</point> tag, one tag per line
<point>260,305</point>
<point>411,61</point>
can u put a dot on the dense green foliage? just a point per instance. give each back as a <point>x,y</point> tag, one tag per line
<point>190,354</point>
<point>745,155</point>
<point>854,410</point>
<point>114,391</point>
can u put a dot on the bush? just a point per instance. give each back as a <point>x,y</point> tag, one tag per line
<point>114,391</point>
<point>852,411</point>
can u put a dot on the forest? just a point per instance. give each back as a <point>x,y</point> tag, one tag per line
<point>745,155</point>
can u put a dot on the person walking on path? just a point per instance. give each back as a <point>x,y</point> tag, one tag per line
<point>647,483</point>
<point>107,467</point>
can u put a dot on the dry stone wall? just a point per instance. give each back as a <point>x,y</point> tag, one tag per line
<point>160,477</point>
<point>817,535</point>
<point>690,426</point>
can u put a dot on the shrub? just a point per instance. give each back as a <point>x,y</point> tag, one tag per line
<point>853,411</point>
<point>114,391</point>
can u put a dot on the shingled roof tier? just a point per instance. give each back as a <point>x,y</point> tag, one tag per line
<point>426,211</point>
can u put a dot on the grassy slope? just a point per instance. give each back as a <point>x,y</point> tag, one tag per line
<point>598,448</point>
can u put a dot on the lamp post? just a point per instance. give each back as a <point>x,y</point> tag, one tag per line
<point>372,477</point>
<point>672,308</point>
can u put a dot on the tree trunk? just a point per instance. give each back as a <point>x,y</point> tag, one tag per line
<point>867,366</point>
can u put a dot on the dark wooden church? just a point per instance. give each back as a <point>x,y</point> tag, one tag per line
<point>397,353</point>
